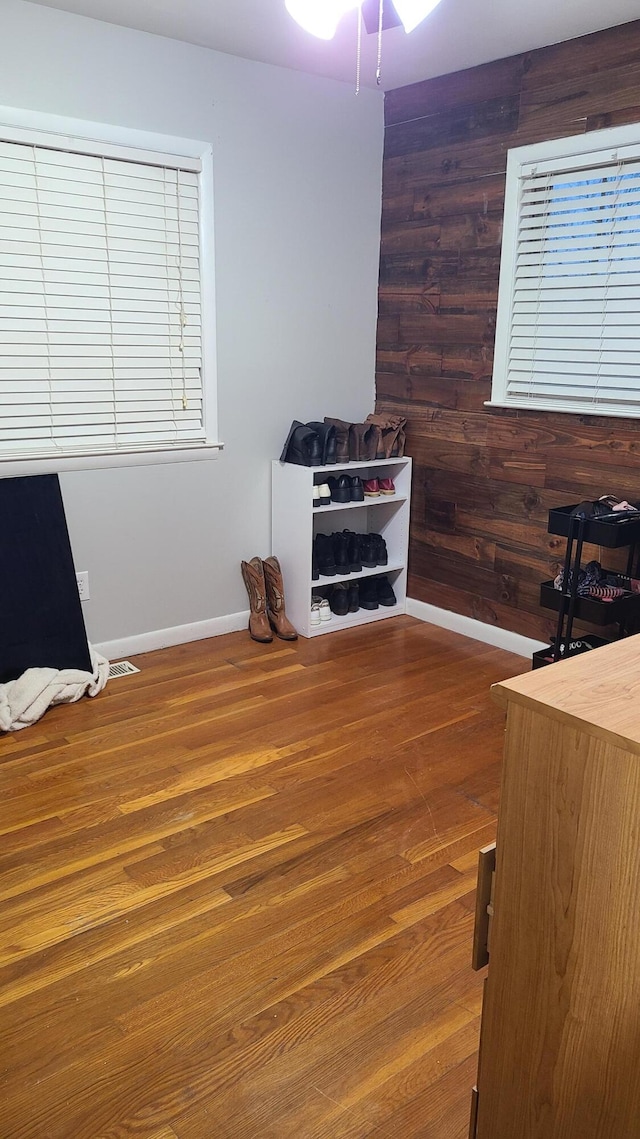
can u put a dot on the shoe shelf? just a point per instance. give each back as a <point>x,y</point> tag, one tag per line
<point>377,571</point>
<point>374,465</point>
<point>381,501</point>
<point>295,523</point>
<point>353,620</point>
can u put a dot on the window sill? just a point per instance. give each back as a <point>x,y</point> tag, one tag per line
<point>16,468</point>
<point>537,405</point>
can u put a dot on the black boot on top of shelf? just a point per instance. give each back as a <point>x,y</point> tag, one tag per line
<point>326,433</point>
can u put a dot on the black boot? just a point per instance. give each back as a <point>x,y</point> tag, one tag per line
<point>323,547</point>
<point>379,547</point>
<point>353,597</point>
<point>384,592</point>
<point>342,439</point>
<point>341,553</point>
<point>353,551</point>
<point>327,436</point>
<point>302,446</point>
<point>367,551</point>
<point>339,599</point>
<point>368,594</point>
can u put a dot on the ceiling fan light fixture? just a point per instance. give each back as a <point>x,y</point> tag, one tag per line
<point>413,12</point>
<point>320,17</point>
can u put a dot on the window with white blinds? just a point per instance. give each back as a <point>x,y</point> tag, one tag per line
<point>568,332</point>
<point>101,300</point>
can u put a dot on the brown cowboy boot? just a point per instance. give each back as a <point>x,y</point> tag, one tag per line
<point>253,577</point>
<point>392,436</point>
<point>280,623</point>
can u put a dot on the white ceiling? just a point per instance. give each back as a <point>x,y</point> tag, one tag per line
<point>458,34</point>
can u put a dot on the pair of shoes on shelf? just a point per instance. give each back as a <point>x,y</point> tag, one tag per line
<point>347,552</point>
<point>340,599</point>
<point>373,550</point>
<point>348,597</point>
<point>263,579</point>
<point>392,436</point>
<point>310,444</point>
<point>381,436</point>
<point>320,609</point>
<point>336,553</point>
<point>344,598</point>
<point>375,591</point>
<point>346,488</point>
<point>373,488</point>
<point>355,442</point>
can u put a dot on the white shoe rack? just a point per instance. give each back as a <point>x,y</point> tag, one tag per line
<point>295,522</point>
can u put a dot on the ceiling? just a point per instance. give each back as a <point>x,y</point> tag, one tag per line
<point>458,34</point>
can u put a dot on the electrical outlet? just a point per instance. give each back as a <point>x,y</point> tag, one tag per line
<point>83,585</point>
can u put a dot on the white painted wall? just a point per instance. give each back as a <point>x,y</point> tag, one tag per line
<point>297,168</point>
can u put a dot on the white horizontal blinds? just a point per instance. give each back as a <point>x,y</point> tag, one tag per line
<point>576,298</point>
<point>100,309</point>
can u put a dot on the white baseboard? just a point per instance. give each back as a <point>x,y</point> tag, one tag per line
<point>469,627</point>
<point>178,635</point>
<point>233,622</point>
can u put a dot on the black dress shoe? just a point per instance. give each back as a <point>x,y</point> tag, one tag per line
<point>340,488</point>
<point>384,591</point>
<point>368,594</point>
<point>357,489</point>
<point>339,599</point>
<point>323,547</point>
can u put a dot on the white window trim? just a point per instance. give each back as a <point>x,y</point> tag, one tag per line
<point>612,144</point>
<point>18,125</point>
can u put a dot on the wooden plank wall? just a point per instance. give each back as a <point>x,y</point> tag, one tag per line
<point>485,478</point>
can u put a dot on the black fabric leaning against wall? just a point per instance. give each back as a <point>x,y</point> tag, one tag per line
<point>42,623</point>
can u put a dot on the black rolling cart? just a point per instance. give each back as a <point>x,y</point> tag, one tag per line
<point>610,533</point>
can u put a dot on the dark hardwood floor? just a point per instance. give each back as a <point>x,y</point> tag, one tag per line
<point>237,892</point>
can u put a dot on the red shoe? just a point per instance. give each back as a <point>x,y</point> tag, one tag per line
<point>371,488</point>
<point>387,486</point>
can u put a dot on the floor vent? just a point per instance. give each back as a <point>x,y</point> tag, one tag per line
<point>122,668</point>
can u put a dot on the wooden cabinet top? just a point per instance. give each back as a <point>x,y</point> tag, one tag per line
<point>597,691</point>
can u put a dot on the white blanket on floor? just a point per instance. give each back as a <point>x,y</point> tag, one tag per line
<point>25,700</point>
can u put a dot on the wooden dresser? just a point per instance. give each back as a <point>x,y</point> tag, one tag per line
<point>560,1039</point>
